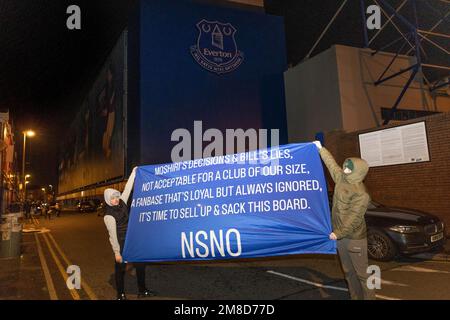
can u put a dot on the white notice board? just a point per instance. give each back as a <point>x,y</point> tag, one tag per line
<point>398,145</point>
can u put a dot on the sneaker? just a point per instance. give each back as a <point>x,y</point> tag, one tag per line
<point>146,294</point>
<point>122,296</point>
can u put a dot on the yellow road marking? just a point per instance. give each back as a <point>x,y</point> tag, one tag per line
<point>85,286</point>
<point>436,261</point>
<point>36,221</point>
<point>48,277</point>
<point>379,296</point>
<point>73,292</point>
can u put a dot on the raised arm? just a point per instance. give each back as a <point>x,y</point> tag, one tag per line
<point>335,170</point>
<point>129,186</point>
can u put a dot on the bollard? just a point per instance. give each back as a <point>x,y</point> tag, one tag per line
<point>10,235</point>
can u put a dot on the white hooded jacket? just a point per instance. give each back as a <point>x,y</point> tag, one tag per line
<point>110,222</point>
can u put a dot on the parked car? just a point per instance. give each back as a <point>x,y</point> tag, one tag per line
<point>86,206</point>
<point>393,231</point>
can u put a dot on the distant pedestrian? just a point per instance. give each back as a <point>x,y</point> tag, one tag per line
<point>33,209</point>
<point>350,202</point>
<point>45,211</point>
<point>27,208</point>
<point>116,221</point>
<point>57,209</point>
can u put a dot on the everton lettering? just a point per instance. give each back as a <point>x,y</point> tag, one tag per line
<point>214,53</point>
<point>205,244</point>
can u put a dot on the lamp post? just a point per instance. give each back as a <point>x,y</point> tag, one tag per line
<point>51,192</point>
<point>30,134</point>
<point>44,190</point>
<point>25,186</point>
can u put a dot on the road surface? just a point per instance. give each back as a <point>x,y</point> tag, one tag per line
<point>81,240</point>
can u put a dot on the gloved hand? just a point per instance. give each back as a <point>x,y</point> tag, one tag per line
<point>318,144</point>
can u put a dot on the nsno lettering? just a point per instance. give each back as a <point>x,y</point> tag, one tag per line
<point>205,244</point>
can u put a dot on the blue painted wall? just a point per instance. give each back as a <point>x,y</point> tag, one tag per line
<point>174,90</point>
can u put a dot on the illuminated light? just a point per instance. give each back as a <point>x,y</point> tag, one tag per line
<point>30,133</point>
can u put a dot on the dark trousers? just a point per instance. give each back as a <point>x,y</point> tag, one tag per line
<point>120,276</point>
<point>354,261</point>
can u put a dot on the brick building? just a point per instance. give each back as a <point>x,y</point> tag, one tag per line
<point>8,176</point>
<point>422,186</point>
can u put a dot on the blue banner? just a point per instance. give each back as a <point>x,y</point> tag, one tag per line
<point>268,202</point>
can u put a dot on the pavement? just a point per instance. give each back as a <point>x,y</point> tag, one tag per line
<point>21,278</point>
<point>50,246</point>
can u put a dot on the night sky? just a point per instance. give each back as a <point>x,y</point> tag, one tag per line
<point>46,70</point>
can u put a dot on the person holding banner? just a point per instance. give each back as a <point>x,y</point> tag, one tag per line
<point>116,221</point>
<point>350,202</point>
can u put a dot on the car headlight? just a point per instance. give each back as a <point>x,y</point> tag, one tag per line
<point>405,229</point>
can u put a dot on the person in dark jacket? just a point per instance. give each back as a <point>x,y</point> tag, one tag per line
<point>27,208</point>
<point>116,221</point>
<point>350,202</point>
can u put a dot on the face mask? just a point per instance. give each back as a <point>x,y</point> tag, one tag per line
<point>348,166</point>
<point>347,171</point>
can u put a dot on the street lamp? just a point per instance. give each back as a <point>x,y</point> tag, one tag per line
<point>30,134</point>
<point>27,176</point>
<point>51,192</point>
<point>45,194</point>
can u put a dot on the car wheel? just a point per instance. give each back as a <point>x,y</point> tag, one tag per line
<point>379,246</point>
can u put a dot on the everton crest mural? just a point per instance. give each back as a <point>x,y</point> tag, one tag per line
<point>216,49</point>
